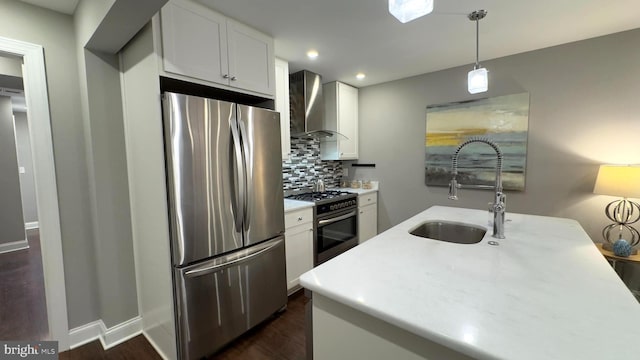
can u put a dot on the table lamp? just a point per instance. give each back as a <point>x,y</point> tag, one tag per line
<point>623,181</point>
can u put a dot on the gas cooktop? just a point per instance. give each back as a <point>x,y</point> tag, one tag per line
<point>317,196</point>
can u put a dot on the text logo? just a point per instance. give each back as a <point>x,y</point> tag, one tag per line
<point>45,350</point>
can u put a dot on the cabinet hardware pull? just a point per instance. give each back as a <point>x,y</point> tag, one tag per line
<point>233,78</point>
<point>226,76</point>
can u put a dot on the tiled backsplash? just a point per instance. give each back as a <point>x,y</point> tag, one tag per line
<point>304,166</point>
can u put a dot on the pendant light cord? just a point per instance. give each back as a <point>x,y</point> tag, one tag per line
<point>477,16</point>
<point>477,44</point>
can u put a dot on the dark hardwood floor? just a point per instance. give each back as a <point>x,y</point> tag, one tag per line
<point>23,310</point>
<point>281,337</point>
<point>137,348</point>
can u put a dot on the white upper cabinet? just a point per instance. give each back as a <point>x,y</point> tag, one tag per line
<point>194,42</point>
<point>341,115</point>
<point>251,59</point>
<point>282,105</point>
<point>201,44</point>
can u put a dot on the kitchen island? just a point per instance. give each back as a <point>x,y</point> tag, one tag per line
<point>545,292</point>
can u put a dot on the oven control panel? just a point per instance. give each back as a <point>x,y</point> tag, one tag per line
<point>334,206</point>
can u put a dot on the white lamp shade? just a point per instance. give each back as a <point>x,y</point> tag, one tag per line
<point>618,180</point>
<point>478,81</point>
<point>407,10</point>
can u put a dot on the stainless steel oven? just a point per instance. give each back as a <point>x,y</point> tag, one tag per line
<point>336,227</point>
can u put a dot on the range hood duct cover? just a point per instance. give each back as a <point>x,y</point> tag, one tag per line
<point>307,106</point>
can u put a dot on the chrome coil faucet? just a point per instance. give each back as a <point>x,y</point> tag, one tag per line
<point>499,204</point>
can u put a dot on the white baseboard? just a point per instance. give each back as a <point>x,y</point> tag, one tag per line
<point>85,333</point>
<point>14,246</point>
<point>31,225</point>
<point>110,337</point>
<point>121,332</point>
<point>156,347</point>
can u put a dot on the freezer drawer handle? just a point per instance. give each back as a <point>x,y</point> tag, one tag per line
<point>332,220</point>
<point>259,249</point>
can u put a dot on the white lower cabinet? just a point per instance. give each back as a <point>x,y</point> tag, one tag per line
<point>298,245</point>
<point>367,216</point>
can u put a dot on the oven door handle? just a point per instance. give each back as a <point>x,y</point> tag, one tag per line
<point>332,220</point>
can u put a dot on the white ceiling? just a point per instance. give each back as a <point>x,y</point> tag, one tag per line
<point>62,6</point>
<point>361,35</point>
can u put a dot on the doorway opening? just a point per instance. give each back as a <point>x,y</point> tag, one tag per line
<point>23,313</point>
<point>49,243</point>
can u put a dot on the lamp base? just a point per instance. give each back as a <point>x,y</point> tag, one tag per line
<point>623,213</point>
<point>609,247</point>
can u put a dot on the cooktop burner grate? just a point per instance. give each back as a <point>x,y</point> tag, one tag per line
<point>318,196</point>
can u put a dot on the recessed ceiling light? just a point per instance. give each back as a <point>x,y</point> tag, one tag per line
<point>360,76</point>
<point>312,54</point>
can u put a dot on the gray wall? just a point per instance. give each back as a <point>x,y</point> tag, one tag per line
<point>583,112</point>
<point>87,126</point>
<point>11,65</point>
<point>10,71</point>
<point>109,191</point>
<point>102,27</point>
<point>27,184</point>
<point>55,32</point>
<point>11,219</point>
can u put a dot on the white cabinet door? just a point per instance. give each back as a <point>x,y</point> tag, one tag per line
<point>348,121</point>
<point>251,59</point>
<point>341,115</point>
<point>367,222</point>
<point>299,253</point>
<point>207,47</point>
<point>194,42</point>
<point>282,105</point>
<point>367,216</point>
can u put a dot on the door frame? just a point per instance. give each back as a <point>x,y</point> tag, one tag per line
<point>36,96</point>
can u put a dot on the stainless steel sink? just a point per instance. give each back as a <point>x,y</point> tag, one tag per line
<point>450,231</point>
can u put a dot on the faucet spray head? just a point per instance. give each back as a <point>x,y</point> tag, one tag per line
<point>453,189</point>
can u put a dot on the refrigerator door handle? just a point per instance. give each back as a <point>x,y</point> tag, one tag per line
<point>248,175</point>
<point>231,260</point>
<point>240,188</point>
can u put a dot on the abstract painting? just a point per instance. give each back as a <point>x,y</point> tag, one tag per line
<point>502,119</point>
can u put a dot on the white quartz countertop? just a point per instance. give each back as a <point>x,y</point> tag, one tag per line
<point>545,292</point>
<point>292,205</point>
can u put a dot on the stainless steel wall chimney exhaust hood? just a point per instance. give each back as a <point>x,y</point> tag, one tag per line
<point>307,106</point>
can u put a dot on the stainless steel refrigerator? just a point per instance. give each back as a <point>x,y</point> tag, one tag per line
<point>224,178</point>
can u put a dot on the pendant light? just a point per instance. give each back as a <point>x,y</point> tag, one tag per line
<point>407,10</point>
<point>477,80</point>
